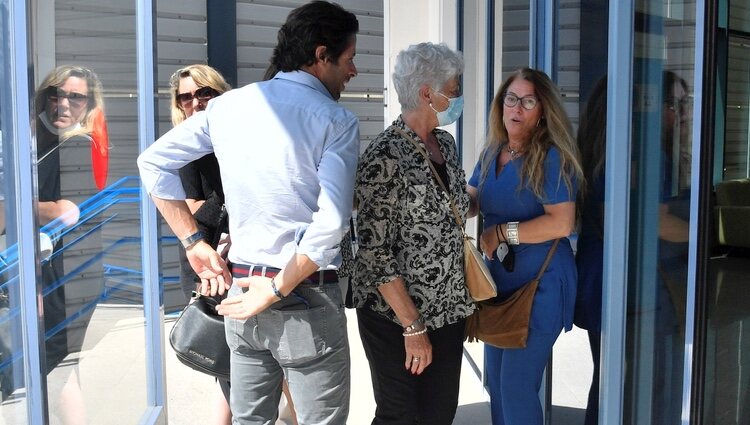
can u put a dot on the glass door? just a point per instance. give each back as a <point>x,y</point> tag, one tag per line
<point>726,397</point>
<point>660,195</point>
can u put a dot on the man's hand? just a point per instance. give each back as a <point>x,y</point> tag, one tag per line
<point>258,298</point>
<point>210,267</point>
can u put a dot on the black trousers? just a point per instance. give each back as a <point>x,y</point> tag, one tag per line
<point>403,398</point>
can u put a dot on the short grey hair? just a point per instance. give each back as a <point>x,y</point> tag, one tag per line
<point>424,63</point>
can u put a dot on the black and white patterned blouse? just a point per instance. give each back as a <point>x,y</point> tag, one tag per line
<point>406,228</point>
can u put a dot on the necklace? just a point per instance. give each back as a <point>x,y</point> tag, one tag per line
<point>514,154</point>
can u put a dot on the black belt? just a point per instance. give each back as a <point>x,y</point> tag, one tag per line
<point>318,277</point>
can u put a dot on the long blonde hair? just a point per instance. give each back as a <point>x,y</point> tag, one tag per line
<point>554,130</point>
<point>57,78</point>
<point>204,76</point>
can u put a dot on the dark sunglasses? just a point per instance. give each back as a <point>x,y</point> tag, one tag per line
<point>203,94</point>
<point>76,100</point>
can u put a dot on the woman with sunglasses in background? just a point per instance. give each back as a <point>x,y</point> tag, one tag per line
<point>525,186</point>
<point>191,88</point>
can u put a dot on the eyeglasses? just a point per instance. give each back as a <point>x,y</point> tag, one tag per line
<point>673,103</point>
<point>203,94</point>
<point>75,100</point>
<point>527,102</point>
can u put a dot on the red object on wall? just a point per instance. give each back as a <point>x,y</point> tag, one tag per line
<point>99,149</point>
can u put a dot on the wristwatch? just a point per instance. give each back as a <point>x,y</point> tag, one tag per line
<point>512,233</point>
<point>192,239</point>
<point>415,325</point>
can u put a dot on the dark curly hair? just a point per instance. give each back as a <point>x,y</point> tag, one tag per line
<point>318,23</point>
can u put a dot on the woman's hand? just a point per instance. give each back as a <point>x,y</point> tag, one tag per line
<point>225,242</point>
<point>418,353</point>
<point>489,241</point>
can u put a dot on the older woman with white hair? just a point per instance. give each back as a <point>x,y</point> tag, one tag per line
<point>407,282</point>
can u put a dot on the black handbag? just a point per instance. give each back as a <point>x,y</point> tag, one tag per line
<point>197,336</point>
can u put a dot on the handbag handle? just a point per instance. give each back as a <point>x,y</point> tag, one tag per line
<point>435,173</point>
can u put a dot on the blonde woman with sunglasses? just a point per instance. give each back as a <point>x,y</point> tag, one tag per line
<point>191,89</point>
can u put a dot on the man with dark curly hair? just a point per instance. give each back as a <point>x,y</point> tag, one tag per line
<point>287,152</point>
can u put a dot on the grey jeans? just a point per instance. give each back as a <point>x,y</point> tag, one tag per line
<point>303,338</point>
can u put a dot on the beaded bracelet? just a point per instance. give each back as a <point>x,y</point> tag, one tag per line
<point>415,333</point>
<point>275,290</point>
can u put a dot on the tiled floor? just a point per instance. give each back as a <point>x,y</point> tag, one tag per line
<point>110,370</point>
<point>571,378</point>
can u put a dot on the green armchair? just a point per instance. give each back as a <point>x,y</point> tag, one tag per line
<point>733,213</point>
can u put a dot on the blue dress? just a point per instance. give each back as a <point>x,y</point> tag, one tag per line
<point>514,375</point>
<point>503,200</point>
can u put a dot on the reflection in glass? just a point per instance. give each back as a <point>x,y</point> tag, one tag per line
<point>67,105</point>
<point>727,375</point>
<point>92,287</point>
<point>660,198</point>
<point>12,397</point>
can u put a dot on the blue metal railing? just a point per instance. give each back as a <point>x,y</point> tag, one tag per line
<point>96,210</point>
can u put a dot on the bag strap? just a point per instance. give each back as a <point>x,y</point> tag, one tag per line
<point>547,260</point>
<point>221,223</point>
<point>435,173</point>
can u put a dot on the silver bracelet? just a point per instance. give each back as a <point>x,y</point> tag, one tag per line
<point>512,232</point>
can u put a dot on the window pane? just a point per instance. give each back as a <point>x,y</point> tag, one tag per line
<point>727,390</point>
<point>12,396</point>
<point>85,123</point>
<point>663,92</point>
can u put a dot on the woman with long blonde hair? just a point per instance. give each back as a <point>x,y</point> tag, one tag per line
<point>525,186</point>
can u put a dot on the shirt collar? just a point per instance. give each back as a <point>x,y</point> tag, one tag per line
<point>305,78</point>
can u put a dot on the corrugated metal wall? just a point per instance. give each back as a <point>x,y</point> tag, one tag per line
<point>100,34</point>
<point>737,144</point>
<point>258,22</point>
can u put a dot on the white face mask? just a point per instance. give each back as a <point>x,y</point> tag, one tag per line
<point>51,127</point>
<point>452,112</point>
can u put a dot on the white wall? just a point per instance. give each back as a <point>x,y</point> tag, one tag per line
<point>411,22</point>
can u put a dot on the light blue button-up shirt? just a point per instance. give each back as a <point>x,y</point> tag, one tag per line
<point>288,158</point>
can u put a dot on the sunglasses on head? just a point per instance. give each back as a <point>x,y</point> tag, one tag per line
<point>203,94</point>
<point>76,100</point>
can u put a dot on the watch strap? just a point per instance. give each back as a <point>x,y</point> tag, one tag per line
<point>192,239</point>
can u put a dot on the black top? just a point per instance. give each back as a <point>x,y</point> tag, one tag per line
<point>202,181</point>
<point>442,170</point>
